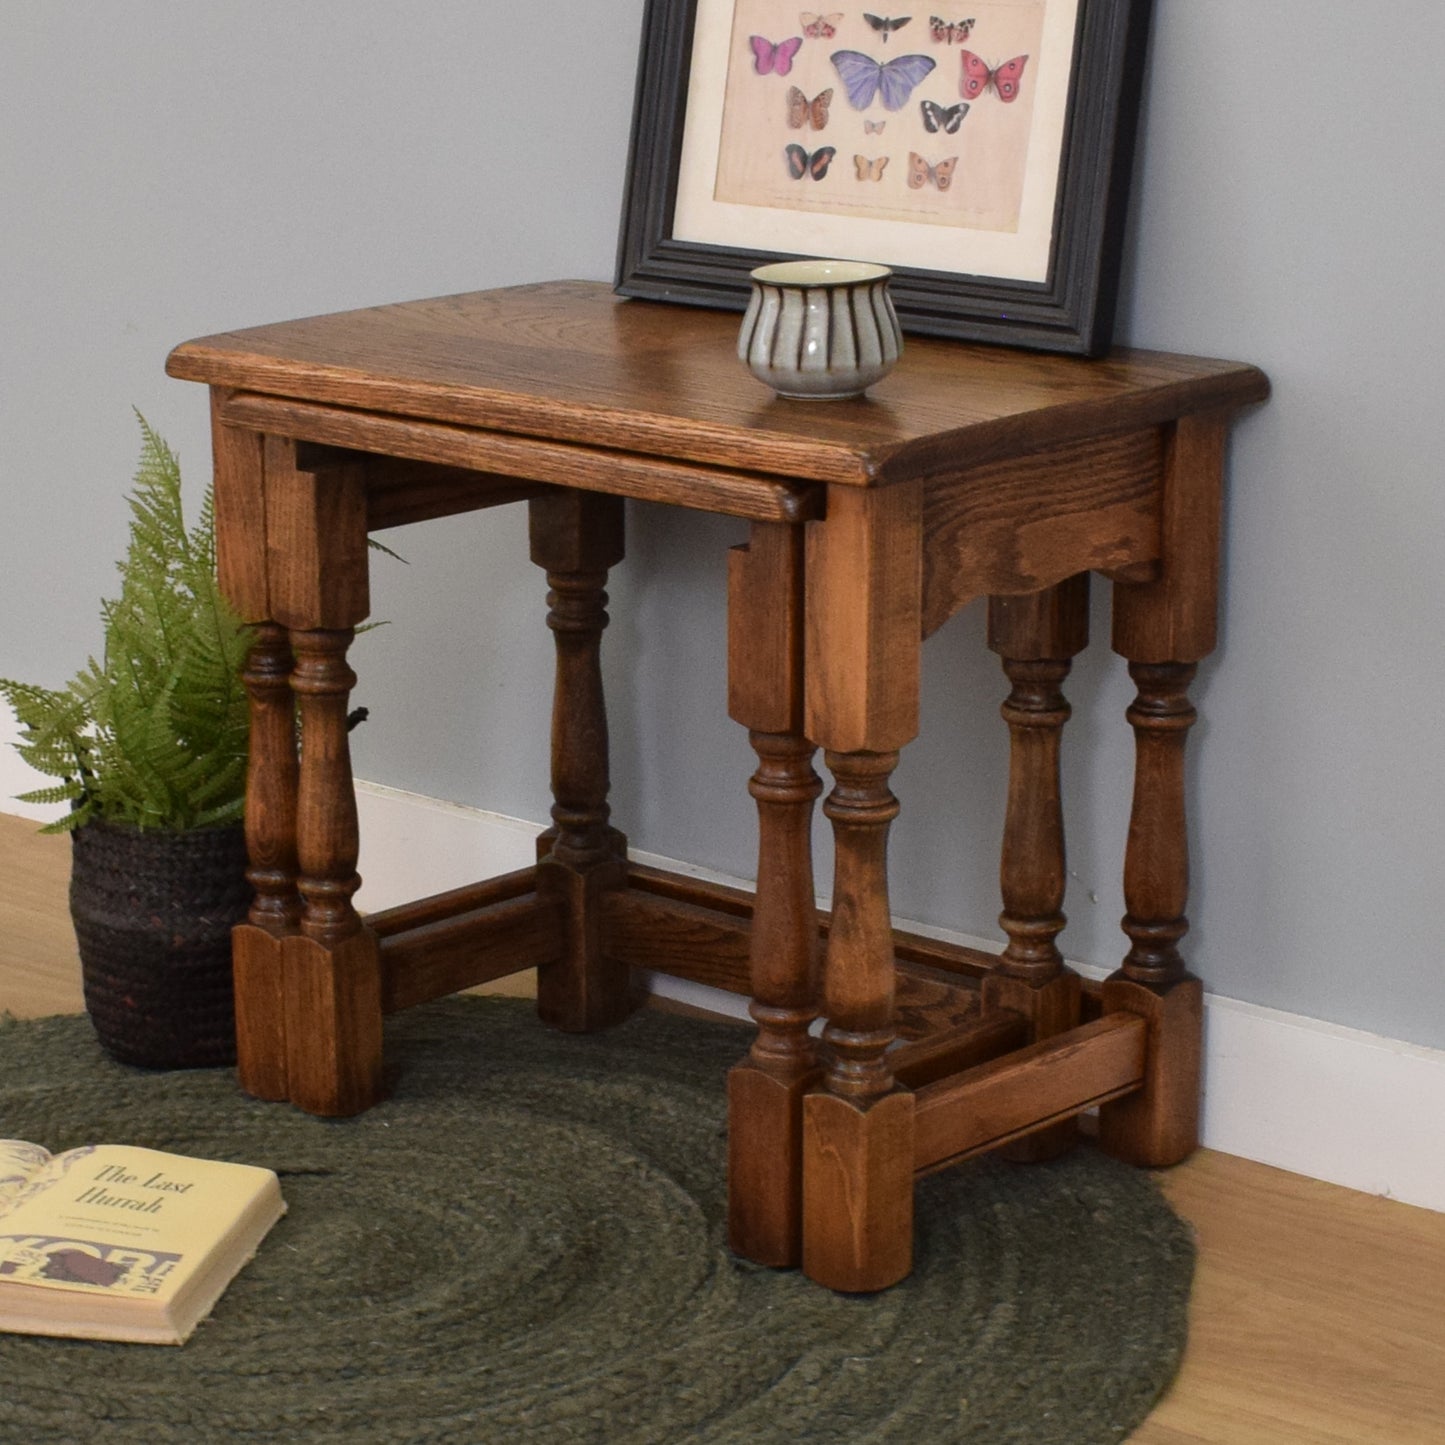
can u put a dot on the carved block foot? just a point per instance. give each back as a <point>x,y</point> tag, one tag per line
<point>765,1159</point>
<point>1159,1125</point>
<point>333,1013</point>
<point>259,981</point>
<point>857,1190</point>
<point>583,990</point>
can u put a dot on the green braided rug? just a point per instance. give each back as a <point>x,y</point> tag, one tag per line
<point>526,1244</point>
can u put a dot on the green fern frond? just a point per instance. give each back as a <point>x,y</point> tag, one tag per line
<point>153,733</point>
<point>60,793</point>
<point>382,547</point>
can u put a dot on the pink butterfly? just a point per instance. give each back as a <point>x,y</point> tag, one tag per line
<point>820,27</point>
<point>1005,78</point>
<point>770,59</point>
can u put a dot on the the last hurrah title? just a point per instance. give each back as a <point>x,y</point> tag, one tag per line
<point>158,1188</point>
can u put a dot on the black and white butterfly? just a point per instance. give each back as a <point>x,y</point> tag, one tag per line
<point>801,164</point>
<point>939,118</point>
<point>886,26</point>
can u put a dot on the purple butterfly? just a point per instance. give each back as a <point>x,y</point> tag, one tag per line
<point>866,77</point>
<point>770,59</point>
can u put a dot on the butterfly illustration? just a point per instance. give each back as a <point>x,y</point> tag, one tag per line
<point>801,110</point>
<point>937,118</point>
<point>1005,78</point>
<point>869,170</point>
<point>947,32</point>
<point>769,59</point>
<point>884,26</point>
<point>920,172</point>
<point>820,27</point>
<point>801,164</point>
<point>873,127</point>
<point>866,77</point>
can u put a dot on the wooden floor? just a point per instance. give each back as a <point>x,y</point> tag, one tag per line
<point>1318,1313</point>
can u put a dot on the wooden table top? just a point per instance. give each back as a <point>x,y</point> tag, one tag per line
<point>569,361</point>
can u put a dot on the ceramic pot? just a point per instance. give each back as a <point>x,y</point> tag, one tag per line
<point>820,330</point>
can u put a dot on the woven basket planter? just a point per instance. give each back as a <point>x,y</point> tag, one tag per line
<point>153,914</point>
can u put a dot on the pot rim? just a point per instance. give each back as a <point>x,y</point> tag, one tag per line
<point>820,273</point>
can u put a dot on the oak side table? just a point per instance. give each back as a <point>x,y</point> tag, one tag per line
<point>969,473</point>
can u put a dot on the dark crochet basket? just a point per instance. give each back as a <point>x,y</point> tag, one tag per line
<point>153,914</point>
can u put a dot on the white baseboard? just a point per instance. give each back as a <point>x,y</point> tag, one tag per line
<point>1314,1098</point>
<point>17,776</point>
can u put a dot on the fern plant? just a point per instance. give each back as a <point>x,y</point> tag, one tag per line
<point>153,735</point>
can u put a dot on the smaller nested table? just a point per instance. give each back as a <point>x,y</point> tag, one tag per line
<point>970,473</point>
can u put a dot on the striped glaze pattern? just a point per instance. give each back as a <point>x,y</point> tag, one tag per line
<point>824,339</point>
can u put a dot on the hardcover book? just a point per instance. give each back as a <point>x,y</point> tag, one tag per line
<point>110,1242</point>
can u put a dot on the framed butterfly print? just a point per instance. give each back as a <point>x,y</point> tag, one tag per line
<point>1010,128</point>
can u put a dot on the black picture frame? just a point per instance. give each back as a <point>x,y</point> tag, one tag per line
<point>1072,311</point>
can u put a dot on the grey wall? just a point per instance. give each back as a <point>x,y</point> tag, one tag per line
<point>171,169</point>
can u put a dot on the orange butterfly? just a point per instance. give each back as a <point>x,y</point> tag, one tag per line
<point>869,170</point>
<point>801,110</point>
<point>920,172</point>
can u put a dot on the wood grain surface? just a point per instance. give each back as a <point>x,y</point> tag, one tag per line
<point>39,964</point>
<point>994,1102</point>
<point>570,361</point>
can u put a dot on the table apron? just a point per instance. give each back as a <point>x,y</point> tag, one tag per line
<point>708,489</point>
<point>1023,524</point>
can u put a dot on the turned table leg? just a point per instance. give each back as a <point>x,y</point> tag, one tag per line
<point>271,784</point>
<point>1036,636</point>
<point>765,1090</point>
<point>576,537</point>
<point>1164,627</point>
<point>239,494</point>
<point>863,640</point>
<point>858,1185</point>
<point>1159,1125</point>
<point>331,965</point>
<point>333,986</point>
